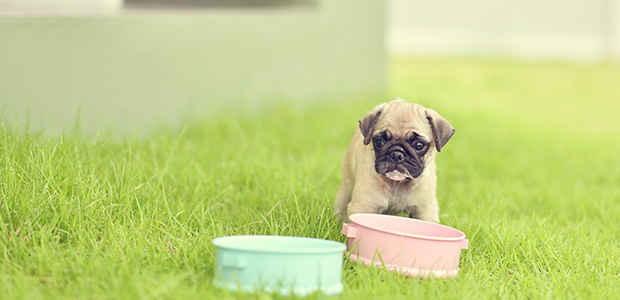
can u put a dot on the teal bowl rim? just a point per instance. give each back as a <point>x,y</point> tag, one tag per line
<point>331,246</point>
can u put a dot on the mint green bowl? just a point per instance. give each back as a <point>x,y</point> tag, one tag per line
<point>281,264</point>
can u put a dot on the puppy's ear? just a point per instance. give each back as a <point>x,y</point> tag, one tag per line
<point>442,129</point>
<point>367,124</point>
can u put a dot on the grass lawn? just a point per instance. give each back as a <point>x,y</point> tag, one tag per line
<point>532,176</point>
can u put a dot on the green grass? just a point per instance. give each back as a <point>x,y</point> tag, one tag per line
<point>531,176</point>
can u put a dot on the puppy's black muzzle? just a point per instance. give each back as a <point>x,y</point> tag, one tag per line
<point>399,156</point>
<point>398,152</point>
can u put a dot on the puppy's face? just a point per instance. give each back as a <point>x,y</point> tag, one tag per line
<point>404,136</point>
<point>399,157</point>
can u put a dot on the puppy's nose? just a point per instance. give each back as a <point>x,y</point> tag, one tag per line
<point>397,156</point>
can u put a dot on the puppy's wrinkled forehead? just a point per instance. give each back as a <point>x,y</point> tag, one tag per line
<point>402,119</point>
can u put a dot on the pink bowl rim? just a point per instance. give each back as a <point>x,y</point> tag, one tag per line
<point>394,232</point>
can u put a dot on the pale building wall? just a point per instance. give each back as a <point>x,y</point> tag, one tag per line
<point>131,69</point>
<point>566,29</point>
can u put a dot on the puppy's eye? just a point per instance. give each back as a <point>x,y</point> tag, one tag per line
<point>379,143</point>
<point>418,146</point>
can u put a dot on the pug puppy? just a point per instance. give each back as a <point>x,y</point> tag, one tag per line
<point>389,166</point>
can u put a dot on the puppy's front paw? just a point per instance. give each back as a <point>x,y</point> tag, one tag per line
<point>368,208</point>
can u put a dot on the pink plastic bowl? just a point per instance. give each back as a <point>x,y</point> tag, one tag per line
<point>403,245</point>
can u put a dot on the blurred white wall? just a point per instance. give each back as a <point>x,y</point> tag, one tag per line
<point>20,7</point>
<point>565,29</point>
<point>136,68</point>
